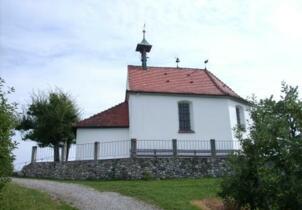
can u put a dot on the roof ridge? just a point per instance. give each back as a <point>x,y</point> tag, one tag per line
<point>168,67</point>
<point>217,86</point>
<point>106,110</point>
<point>225,84</point>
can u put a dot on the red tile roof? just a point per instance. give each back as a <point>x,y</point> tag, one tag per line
<point>115,117</point>
<point>176,80</point>
<point>159,80</point>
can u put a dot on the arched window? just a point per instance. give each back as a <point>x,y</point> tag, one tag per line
<point>240,117</point>
<point>184,116</point>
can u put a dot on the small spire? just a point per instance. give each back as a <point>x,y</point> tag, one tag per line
<point>144,47</point>
<point>177,61</point>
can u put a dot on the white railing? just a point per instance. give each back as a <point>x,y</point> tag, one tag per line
<point>194,147</point>
<point>139,148</point>
<point>44,154</point>
<point>114,149</point>
<point>154,147</point>
<point>85,151</point>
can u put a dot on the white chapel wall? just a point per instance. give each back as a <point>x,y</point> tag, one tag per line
<point>156,117</point>
<point>114,142</point>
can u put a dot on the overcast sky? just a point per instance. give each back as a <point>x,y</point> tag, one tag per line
<point>84,46</point>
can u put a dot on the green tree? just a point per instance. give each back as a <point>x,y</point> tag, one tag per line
<point>267,173</point>
<point>49,120</point>
<point>7,125</point>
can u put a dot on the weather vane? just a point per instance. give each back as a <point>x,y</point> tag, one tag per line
<point>205,64</point>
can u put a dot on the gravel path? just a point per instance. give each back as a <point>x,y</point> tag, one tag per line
<point>85,198</point>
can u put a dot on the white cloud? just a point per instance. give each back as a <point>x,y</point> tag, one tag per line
<point>286,19</point>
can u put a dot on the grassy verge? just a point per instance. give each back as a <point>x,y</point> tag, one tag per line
<point>167,194</point>
<point>14,197</point>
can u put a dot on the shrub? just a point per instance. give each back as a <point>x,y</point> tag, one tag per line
<point>7,123</point>
<point>267,173</point>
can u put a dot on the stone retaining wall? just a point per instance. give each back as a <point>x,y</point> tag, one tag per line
<point>128,168</point>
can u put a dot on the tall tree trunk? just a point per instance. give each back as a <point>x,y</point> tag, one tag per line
<point>56,153</point>
<point>67,150</point>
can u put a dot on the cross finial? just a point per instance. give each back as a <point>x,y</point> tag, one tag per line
<point>177,61</point>
<point>144,30</point>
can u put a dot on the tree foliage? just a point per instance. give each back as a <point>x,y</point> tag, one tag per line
<point>267,173</point>
<point>7,125</point>
<point>49,120</point>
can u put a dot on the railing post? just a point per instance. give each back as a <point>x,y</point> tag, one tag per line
<point>174,146</point>
<point>213,147</point>
<point>96,150</point>
<point>133,148</point>
<point>64,152</point>
<point>34,154</point>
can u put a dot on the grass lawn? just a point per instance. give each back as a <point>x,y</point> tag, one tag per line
<point>167,194</point>
<point>15,197</point>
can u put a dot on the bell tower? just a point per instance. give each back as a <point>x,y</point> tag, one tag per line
<point>144,47</point>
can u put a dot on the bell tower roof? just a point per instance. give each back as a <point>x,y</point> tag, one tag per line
<point>144,47</point>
